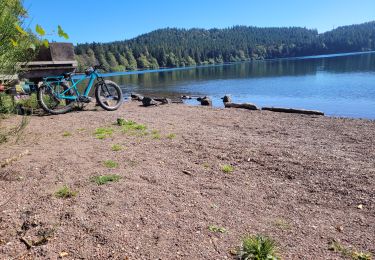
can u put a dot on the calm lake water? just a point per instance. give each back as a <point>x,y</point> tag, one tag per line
<point>339,85</point>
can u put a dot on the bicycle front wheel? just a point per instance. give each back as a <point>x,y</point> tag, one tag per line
<point>49,98</point>
<point>108,95</point>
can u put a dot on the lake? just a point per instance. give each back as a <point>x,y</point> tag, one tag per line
<point>339,85</point>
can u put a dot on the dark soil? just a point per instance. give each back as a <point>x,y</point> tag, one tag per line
<point>297,179</point>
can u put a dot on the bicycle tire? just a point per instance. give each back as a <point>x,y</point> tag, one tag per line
<point>108,84</point>
<point>42,103</point>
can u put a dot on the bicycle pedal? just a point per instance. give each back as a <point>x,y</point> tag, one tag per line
<point>84,99</point>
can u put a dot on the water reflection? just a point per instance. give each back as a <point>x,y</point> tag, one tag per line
<point>308,83</point>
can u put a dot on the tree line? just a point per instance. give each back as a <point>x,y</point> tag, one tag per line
<point>172,47</point>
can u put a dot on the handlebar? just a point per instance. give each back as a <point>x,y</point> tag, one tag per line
<point>99,67</point>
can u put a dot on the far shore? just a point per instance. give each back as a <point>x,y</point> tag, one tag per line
<point>305,181</point>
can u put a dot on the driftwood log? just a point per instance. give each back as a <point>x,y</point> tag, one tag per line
<point>248,106</point>
<point>147,101</point>
<point>137,97</point>
<point>293,110</point>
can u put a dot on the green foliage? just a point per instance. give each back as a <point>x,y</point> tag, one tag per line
<point>104,179</point>
<point>6,104</point>
<point>349,252</point>
<point>131,127</point>
<point>116,147</point>
<point>217,229</point>
<point>18,44</point>
<point>61,32</point>
<point>227,168</point>
<point>103,132</point>
<point>30,102</point>
<point>179,47</point>
<point>258,248</point>
<point>110,164</point>
<point>40,30</point>
<point>171,136</point>
<point>65,192</point>
<point>67,134</point>
<point>155,134</point>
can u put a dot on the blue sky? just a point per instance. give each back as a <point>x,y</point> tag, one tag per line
<point>104,21</point>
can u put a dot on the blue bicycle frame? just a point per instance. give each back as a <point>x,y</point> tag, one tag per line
<point>60,79</point>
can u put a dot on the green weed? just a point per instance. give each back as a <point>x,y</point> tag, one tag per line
<point>349,252</point>
<point>110,164</point>
<point>171,136</point>
<point>258,248</point>
<point>66,134</point>
<point>131,127</point>
<point>104,179</point>
<point>282,224</point>
<point>116,147</point>
<point>217,229</point>
<point>155,134</point>
<point>226,168</point>
<point>65,192</point>
<point>103,132</point>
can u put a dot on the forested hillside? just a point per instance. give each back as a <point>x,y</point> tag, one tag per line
<point>173,47</point>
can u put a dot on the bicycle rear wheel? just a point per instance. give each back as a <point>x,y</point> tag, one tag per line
<point>48,98</point>
<point>108,95</point>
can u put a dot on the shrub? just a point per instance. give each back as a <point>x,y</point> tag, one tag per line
<point>101,180</point>
<point>6,104</point>
<point>65,192</point>
<point>258,248</point>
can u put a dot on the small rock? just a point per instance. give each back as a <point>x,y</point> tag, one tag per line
<point>206,101</point>
<point>339,228</point>
<point>63,254</point>
<point>360,206</point>
<point>226,99</point>
<point>147,101</point>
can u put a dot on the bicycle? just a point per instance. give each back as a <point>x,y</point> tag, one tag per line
<point>56,96</point>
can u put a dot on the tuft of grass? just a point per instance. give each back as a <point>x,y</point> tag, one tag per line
<point>226,168</point>
<point>258,247</point>
<point>348,252</point>
<point>103,132</point>
<point>104,179</point>
<point>65,192</point>
<point>217,229</point>
<point>66,134</point>
<point>116,147</point>
<point>110,164</point>
<point>131,127</point>
<point>155,134</point>
<point>282,224</point>
<point>171,136</point>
